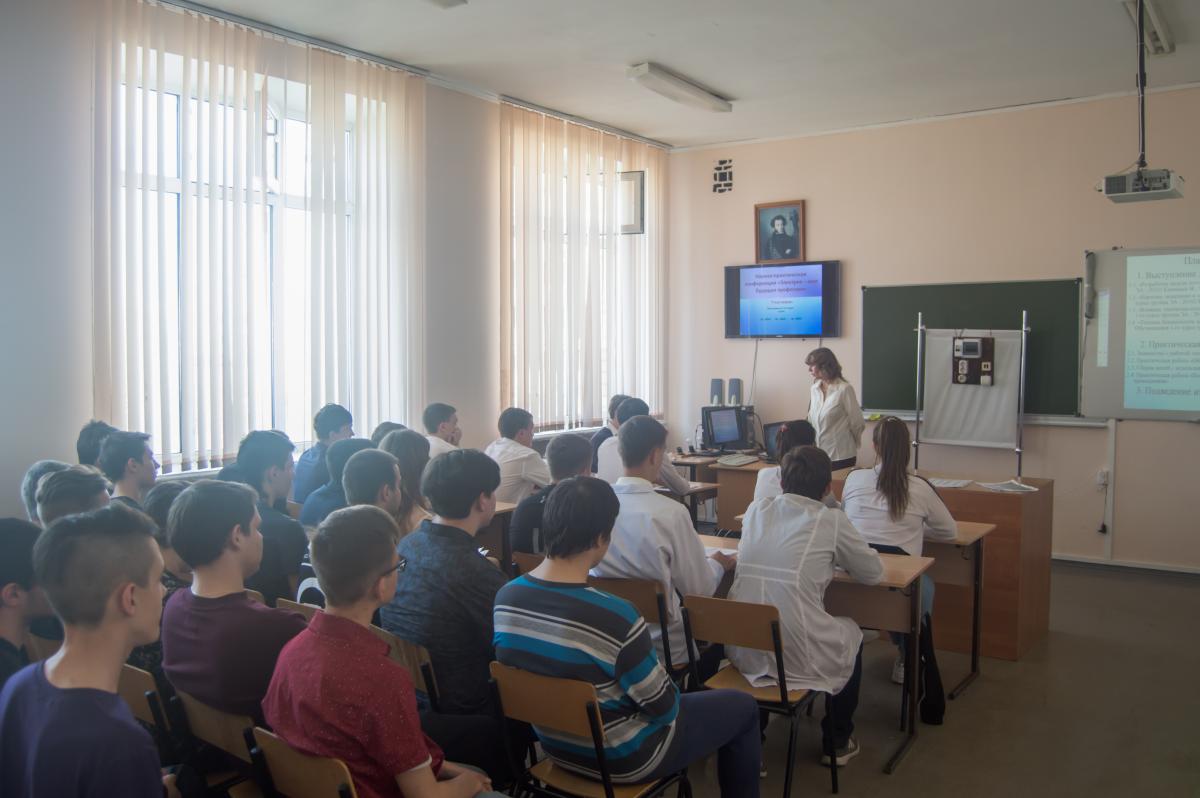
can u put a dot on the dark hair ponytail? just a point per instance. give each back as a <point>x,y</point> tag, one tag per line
<point>793,434</point>
<point>894,447</point>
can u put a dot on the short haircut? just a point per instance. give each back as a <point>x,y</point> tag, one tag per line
<point>17,538</point>
<point>329,419</point>
<point>157,505</point>
<point>513,420</point>
<point>436,414</point>
<point>366,472</point>
<point>261,450</point>
<point>638,438</point>
<point>203,516</point>
<point>118,449</point>
<point>87,445</point>
<point>568,455</point>
<point>579,514</point>
<point>340,453</point>
<point>72,490</point>
<point>232,473</point>
<point>352,548</point>
<point>453,481</point>
<point>630,408</point>
<point>383,429</point>
<point>29,484</point>
<point>806,471</point>
<point>80,560</point>
<point>615,402</point>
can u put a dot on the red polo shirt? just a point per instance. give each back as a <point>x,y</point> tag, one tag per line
<point>336,693</point>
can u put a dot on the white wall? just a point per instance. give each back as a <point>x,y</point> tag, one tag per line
<point>46,230</point>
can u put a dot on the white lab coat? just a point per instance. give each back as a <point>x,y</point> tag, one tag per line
<point>654,539</point>
<point>522,469</point>
<point>610,468</point>
<point>925,517</point>
<point>769,484</point>
<point>438,446</point>
<point>790,545</point>
<point>837,418</point>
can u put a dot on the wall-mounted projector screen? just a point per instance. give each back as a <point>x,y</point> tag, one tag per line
<point>1142,350</point>
<point>790,300</point>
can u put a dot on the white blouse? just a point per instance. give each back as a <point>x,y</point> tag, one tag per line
<point>837,418</point>
<point>925,517</point>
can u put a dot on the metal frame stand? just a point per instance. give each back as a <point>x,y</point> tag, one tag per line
<point>916,444</point>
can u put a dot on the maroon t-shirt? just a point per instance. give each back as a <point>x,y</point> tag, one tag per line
<point>222,651</point>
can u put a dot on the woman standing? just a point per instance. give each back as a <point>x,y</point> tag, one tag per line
<point>833,409</point>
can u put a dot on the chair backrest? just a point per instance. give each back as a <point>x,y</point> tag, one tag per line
<point>219,729</point>
<point>558,704</point>
<point>413,658</point>
<point>307,610</point>
<point>40,648</point>
<point>643,594</point>
<point>525,561</point>
<point>256,596</point>
<point>138,689</point>
<point>733,623</point>
<point>298,775</point>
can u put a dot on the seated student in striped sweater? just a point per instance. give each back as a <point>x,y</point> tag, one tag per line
<point>551,623</point>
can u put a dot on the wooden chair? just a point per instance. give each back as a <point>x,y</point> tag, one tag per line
<point>570,707</point>
<point>738,623</point>
<point>256,596</point>
<point>282,770</point>
<point>40,648</point>
<point>307,610</point>
<point>140,691</point>
<point>526,562</point>
<point>415,659</point>
<point>647,597</point>
<point>219,729</point>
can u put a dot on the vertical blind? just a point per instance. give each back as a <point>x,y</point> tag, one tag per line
<point>582,305</point>
<point>259,233</point>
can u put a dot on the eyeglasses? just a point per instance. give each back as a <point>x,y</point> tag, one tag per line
<point>399,567</point>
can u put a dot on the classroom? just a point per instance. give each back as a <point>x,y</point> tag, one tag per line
<point>538,398</point>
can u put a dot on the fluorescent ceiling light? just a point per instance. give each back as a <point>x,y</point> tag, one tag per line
<point>448,3</point>
<point>1158,35</point>
<point>673,87</point>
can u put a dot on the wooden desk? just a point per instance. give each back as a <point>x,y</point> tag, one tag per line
<point>735,491</point>
<point>699,466</point>
<point>697,492</point>
<point>893,605</point>
<point>494,537</point>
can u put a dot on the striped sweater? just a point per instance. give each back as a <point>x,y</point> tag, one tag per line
<point>572,631</point>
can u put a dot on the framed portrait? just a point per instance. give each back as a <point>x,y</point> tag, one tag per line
<point>779,232</point>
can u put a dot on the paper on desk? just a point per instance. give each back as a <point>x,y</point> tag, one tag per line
<point>941,482</point>
<point>711,550</point>
<point>1011,486</point>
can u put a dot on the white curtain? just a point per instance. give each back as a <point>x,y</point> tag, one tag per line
<point>259,235</point>
<point>583,312</point>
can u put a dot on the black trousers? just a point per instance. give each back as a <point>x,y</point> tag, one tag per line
<point>849,462</point>
<point>839,717</point>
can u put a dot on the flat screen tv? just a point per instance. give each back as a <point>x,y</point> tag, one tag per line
<point>789,300</point>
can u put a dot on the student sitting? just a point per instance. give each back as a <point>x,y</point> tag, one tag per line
<point>176,574</point>
<point>608,430</point>
<point>265,463</point>
<point>789,436</point>
<point>895,511</point>
<point>90,437</point>
<point>444,602</point>
<point>332,423</point>
<point>335,691</point>
<point>411,450</point>
<point>654,537</point>
<point>128,463</point>
<point>29,485</point>
<point>522,469</point>
<point>609,455</point>
<point>568,456</point>
<point>21,598</point>
<point>218,644</point>
<point>551,623</point>
<point>73,490</point>
<point>441,422</point>
<point>64,731</point>
<point>381,431</point>
<point>331,496</point>
<point>790,546</point>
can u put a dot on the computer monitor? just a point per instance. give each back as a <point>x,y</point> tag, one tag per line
<point>726,427</point>
<point>771,434</point>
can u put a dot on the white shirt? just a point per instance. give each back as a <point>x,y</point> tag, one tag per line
<point>610,468</point>
<point>925,517</point>
<point>654,539</point>
<point>837,418</point>
<point>790,545</point>
<point>770,484</point>
<point>438,446</point>
<point>522,469</point>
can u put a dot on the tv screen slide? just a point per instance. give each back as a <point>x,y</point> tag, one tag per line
<point>792,300</point>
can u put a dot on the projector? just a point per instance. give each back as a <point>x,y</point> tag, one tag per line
<point>1143,185</point>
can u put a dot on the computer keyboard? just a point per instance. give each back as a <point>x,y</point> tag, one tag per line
<point>736,459</point>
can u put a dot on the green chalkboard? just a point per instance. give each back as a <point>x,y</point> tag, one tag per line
<point>889,358</point>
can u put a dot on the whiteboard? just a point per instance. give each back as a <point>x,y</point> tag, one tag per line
<point>1141,354</point>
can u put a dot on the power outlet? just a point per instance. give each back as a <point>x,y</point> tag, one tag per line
<point>1102,478</point>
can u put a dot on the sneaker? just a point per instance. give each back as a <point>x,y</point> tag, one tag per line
<point>844,754</point>
<point>898,670</point>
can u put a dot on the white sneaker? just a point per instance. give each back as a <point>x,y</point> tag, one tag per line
<point>898,670</point>
<point>844,755</point>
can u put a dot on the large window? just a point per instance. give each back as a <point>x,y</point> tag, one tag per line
<point>582,314</point>
<point>257,252</point>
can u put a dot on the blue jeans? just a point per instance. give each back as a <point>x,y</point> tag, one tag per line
<point>724,721</point>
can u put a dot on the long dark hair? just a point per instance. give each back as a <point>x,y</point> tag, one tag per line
<point>793,434</point>
<point>411,449</point>
<point>895,448</point>
<point>826,362</point>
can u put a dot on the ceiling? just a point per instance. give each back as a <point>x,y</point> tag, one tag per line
<point>791,67</point>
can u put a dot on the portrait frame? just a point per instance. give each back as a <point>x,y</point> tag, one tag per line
<point>765,247</point>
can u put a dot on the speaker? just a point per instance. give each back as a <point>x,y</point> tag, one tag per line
<point>735,391</point>
<point>716,392</point>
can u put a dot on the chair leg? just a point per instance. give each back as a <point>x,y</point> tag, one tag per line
<point>830,748</point>
<point>794,722</point>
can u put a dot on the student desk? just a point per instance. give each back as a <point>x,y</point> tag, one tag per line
<point>893,605</point>
<point>699,466</point>
<point>697,492</point>
<point>494,537</point>
<point>735,491</point>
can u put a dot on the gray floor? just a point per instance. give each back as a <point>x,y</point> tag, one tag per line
<point>1107,705</point>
